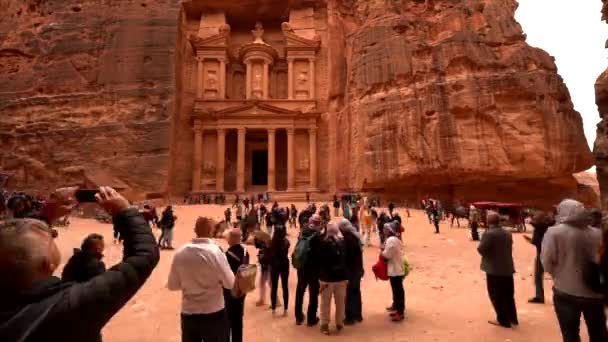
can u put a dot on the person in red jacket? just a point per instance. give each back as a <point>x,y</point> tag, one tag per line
<point>36,306</point>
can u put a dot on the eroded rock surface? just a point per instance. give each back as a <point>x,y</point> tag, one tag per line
<point>444,93</point>
<point>86,85</point>
<point>424,97</point>
<point>600,149</point>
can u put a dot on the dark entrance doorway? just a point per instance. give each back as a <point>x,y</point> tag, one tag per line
<point>259,167</point>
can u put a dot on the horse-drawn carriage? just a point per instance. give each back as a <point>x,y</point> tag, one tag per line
<point>511,214</point>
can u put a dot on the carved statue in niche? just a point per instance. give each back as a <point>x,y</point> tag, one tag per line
<point>211,81</point>
<point>257,81</point>
<point>302,87</point>
<point>258,34</point>
<point>238,85</point>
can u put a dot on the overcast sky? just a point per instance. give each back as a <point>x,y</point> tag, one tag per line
<point>572,31</point>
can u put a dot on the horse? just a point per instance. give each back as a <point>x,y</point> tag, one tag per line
<point>457,211</point>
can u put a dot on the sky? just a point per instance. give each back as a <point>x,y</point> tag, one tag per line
<point>571,31</point>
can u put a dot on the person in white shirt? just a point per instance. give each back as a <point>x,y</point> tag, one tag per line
<point>393,253</point>
<point>201,271</point>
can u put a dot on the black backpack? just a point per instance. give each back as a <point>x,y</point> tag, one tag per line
<point>336,255</point>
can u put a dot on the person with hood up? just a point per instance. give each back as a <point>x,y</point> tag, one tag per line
<point>308,275</point>
<point>393,253</point>
<point>279,263</point>
<point>86,262</point>
<point>354,257</point>
<point>333,276</point>
<point>568,248</point>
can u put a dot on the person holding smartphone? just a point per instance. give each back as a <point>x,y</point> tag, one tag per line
<point>37,306</point>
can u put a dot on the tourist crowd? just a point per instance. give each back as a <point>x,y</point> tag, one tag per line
<point>327,259</point>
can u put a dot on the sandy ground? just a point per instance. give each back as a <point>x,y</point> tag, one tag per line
<point>446,296</point>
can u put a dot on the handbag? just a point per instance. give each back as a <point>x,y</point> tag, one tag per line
<point>380,269</point>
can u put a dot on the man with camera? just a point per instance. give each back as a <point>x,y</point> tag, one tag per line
<point>36,306</point>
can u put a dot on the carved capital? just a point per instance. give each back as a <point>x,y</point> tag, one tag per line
<point>221,131</point>
<point>271,131</point>
<point>242,130</point>
<point>290,59</point>
<point>312,131</point>
<point>290,131</point>
<point>197,126</point>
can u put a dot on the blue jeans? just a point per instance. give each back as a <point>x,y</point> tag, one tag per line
<point>569,309</point>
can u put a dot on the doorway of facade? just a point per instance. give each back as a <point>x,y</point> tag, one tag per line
<point>259,167</point>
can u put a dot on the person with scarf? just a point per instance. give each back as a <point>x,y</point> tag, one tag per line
<point>568,249</point>
<point>333,276</point>
<point>308,275</point>
<point>167,222</point>
<point>393,253</point>
<point>354,257</point>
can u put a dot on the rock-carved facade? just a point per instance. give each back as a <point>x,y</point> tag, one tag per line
<point>255,113</point>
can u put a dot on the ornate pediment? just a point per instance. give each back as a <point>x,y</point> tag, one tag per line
<point>296,42</point>
<point>253,109</point>
<point>216,41</point>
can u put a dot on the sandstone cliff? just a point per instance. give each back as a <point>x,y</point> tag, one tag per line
<point>600,149</point>
<point>86,85</point>
<point>426,96</point>
<point>446,97</point>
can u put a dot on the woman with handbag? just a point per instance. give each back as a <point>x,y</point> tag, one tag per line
<point>393,253</point>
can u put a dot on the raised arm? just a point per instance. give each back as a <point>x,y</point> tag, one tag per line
<point>96,301</point>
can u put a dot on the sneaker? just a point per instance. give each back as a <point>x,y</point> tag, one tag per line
<point>339,327</point>
<point>259,303</point>
<point>299,320</point>
<point>397,317</point>
<point>359,320</point>
<point>325,329</point>
<point>391,309</point>
<point>536,300</point>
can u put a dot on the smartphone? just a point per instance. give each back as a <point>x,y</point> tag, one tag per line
<point>86,196</point>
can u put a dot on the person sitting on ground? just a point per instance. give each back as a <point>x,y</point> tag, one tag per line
<point>36,306</point>
<point>167,223</point>
<point>496,250</point>
<point>333,277</point>
<point>393,253</point>
<point>200,270</point>
<point>86,262</point>
<point>237,255</point>
<point>568,248</point>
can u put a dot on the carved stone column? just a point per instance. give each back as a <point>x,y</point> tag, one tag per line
<point>199,80</point>
<point>248,77</point>
<point>221,160</point>
<point>265,82</point>
<point>222,93</point>
<point>291,175</point>
<point>271,160</point>
<point>240,165</point>
<point>290,78</point>
<point>312,142</point>
<point>197,156</point>
<point>311,72</point>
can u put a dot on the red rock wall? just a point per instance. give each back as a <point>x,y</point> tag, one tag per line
<point>446,93</point>
<point>86,84</point>
<point>600,148</point>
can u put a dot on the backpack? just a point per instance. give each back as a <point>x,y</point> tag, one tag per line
<point>301,252</point>
<point>380,269</point>
<point>336,256</point>
<point>244,279</point>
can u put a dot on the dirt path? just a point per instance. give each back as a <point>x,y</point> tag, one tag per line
<point>446,296</point>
